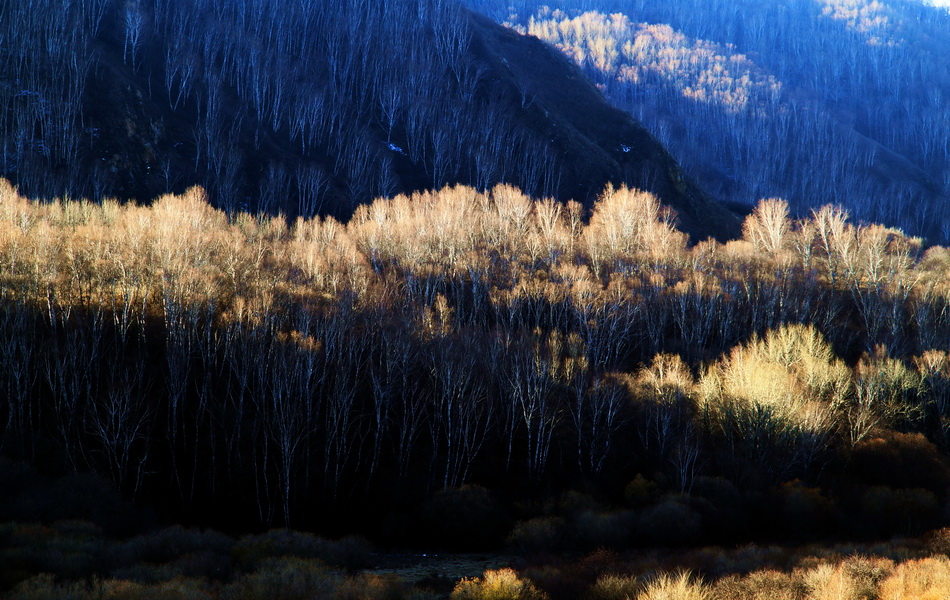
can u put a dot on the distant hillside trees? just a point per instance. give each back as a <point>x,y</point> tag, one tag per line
<point>814,102</point>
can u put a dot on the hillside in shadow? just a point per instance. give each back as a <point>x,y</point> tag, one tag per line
<point>815,102</point>
<point>309,107</point>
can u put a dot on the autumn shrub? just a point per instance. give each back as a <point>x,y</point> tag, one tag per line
<point>350,552</point>
<point>641,492</point>
<point>922,579</point>
<point>538,535</point>
<point>16,540</point>
<point>933,368</point>
<point>907,511</point>
<point>71,549</point>
<point>171,543</point>
<point>372,586</point>
<point>286,578</point>
<point>680,586</point>
<point>501,584</point>
<point>147,573</point>
<point>628,222</point>
<point>179,588</point>
<point>637,565</point>
<point>843,577</point>
<point>591,529</point>
<point>599,561</point>
<point>560,580</point>
<point>885,395</point>
<point>754,557</point>
<point>899,459</point>
<point>666,377</point>
<point>46,587</point>
<point>768,227</point>
<point>831,582</point>
<point>572,501</point>
<point>789,368</point>
<point>672,522</point>
<point>758,448</point>
<point>206,565</point>
<point>765,584</point>
<point>664,408</point>
<point>614,587</point>
<point>867,572</point>
<point>938,541</point>
<point>805,352</point>
<point>804,510</point>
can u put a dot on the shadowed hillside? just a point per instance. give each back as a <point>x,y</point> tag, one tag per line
<point>308,107</point>
<point>840,101</point>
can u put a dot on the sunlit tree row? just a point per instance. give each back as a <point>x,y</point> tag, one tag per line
<point>454,336</point>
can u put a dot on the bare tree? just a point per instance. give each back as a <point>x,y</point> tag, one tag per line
<point>460,411</point>
<point>597,409</point>
<point>284,411</point>
<point>768,226</point>
<point>118,423</point>
<point>134,25</point>
<point>345,358</point>
<point>72,373</point>
<point>18,374</point>
<point>531,379</point>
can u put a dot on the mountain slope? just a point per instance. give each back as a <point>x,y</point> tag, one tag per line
<point>595,141</point>
<point>307,107</point>
<point>816,102</point>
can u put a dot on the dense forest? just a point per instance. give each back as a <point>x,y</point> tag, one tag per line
<point>640,300</point>
<point>461,337</point>
<point>456,369</point>
<point>816,102</point>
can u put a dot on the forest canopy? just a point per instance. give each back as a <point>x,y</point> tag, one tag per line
<point>458,337</point>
